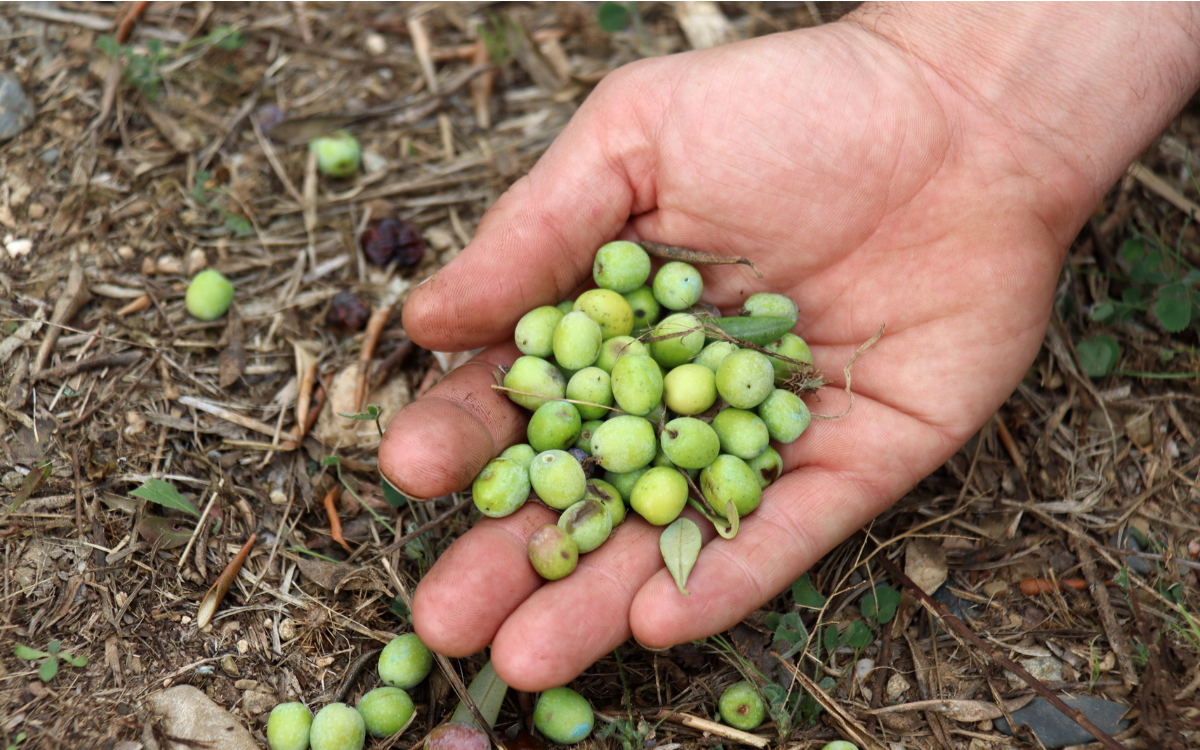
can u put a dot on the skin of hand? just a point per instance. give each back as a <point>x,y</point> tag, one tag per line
<point>892,169</point>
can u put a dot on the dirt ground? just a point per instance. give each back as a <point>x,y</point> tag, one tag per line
<point>1065,535</point>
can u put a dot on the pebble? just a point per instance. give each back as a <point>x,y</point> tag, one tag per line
<point>16,111</point>
<point>376,45</point>
<point>193,720</point>
<point>1054,729</point>
<point>1045,668</point>
<point>17,248</point>
<point>256,702</point>
<point>863,669</point>
<point>1124,539</point>
<point>229,666</point>
<point>36,211</point>
<point>51,155</point>
<point>897,686</point>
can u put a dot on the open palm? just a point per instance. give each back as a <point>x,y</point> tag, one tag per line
<point>864,187</point>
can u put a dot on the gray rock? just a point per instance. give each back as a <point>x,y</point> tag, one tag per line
<point>1054,729</point>
<point>1124,539</point>
<point>960,608</point>
<point>1045,668</point>
<point>193,721</point>
<point>16,111</point>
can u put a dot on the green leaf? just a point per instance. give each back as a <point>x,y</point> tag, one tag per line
<point>329,461</point>
<point>612,17</point>
<point>54,646</point>
<point>806,595</point>
<point>393,496</point>
<point>25,652</point>
<point>830,639</point>
<point>1102,311</point>
<point>760,330</point>
<point>680,545</point>
<point>880,605</point>
<point>400,609</point>
<point>1134,249</point>
<point>227,38</point>
<point>165,494</point>
<point>488,691</point>
<point>372,412</point>
<point>1098,355</point>
<point>48,669</point>
<point>240,226</point>
<point>791,631</point>
<point>74,661</point>
<point>856,636</point>
<point>1173,308</point>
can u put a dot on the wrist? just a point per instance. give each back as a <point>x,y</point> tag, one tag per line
<point>1072,93</point>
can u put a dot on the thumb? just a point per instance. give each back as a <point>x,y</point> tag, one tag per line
<point>535,245</point>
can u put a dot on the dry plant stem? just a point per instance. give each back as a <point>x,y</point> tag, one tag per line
<point>1157,488</point>
<point>1010,445</point>
<point>1112,629</point>
<point>712,727</point>
<point>335,523</point>
<point>238,419</point>
<point>695,257</point>
<point>885,658</point>
<point>957,626</point>
<point>850,726</point>
<point>196,531</point>
<point>394,360</point>
<point>212,600</point>
<point>481,85</point>
<point>304,398</point>
<point>125,27</point>
<point>91,363</point>
<point>567,400</point>
<point>314,411</point>
<point>921,669</point>
<point>74,297</point>
<point>399,543</point>
<point>375,324</point>
<point>860,351</point>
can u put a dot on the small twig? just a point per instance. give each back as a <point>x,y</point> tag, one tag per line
<point>375,324</point>
<point>399,543</point>
<point>125,26</point>
<point>195,531</point>
<point>91,363</point>
<point>74,296</point>
<point>877,687</point>
<point>103,399</point>
<point>695,257</point>
<point>850,725</point>
<point>712,727</point>
<point>1112,629</point>
<point>239,419</point>
<point>956,625</point>
<point>393,360</point>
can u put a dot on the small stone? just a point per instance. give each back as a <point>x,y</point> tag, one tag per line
<point>147,266</point>
<point>229,666</point>
<point>373,162</point>
<point>960,608</point>
<point>897,686</point>
<point>50,156</point>
<point>197,261</point>
<point>168,264</point>
<point>256,702</point>
<point>376,45</point>
<point>243,646</point>
<point>36,211</point>
<point>124,252</point>
<point>17,248</point>
<point>1045,668</point>
<point>1124,539</point>
<point>863,669</point>
<point>1108,662</point>
<point>193,720</point>
<point>16,111</point>
<point>995,588</point>
<point>246,684</point>
<point>1055,729</point>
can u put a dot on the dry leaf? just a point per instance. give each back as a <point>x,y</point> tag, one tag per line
<point>925,564</point>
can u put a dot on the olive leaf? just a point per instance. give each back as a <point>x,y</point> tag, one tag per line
<point>680,545</point>
<point>488,691</point>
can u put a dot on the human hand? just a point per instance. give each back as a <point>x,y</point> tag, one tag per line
<point>867,185</point>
